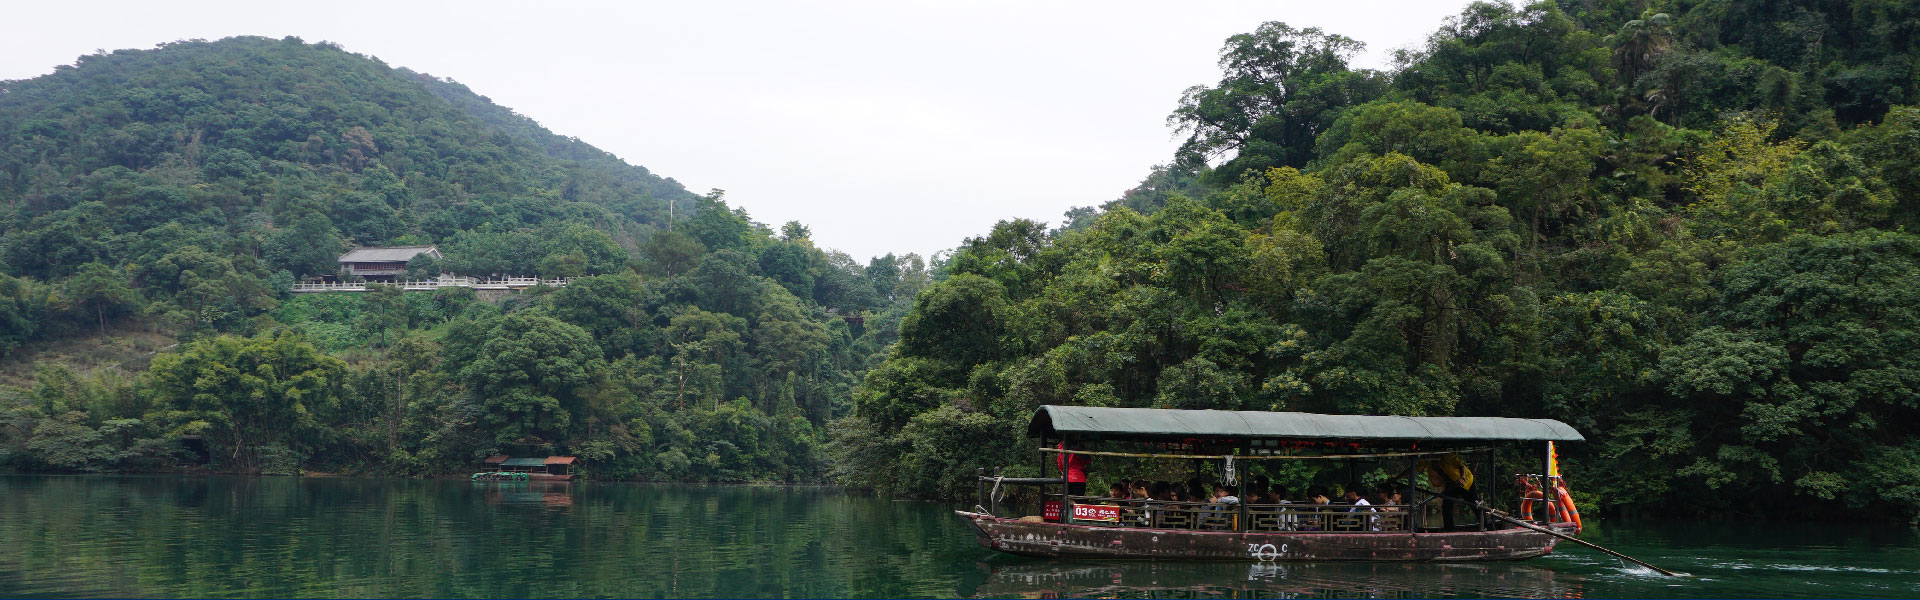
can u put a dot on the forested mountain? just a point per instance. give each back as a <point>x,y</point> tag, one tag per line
<point>1682,227</point>
<point>173,195</point>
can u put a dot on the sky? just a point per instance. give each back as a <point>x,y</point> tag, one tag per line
<point>888,126</point>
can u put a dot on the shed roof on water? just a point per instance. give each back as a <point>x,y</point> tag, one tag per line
<point>524,462</point>
<point>1155,423</point>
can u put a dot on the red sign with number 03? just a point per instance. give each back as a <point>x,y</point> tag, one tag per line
<point>1096,512</point>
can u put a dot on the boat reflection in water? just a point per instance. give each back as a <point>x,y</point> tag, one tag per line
<point>1167,579</point>
<point>553,494</point>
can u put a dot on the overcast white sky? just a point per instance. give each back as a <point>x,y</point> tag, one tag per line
<point>886,126</point>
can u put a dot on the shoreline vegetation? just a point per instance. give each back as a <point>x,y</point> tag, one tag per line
<point>1682,228</point>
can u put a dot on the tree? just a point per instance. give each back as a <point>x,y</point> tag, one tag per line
<point>384,310</point>
<point>704,345</point>
<point>963,317</point>
<point>246,396</point>
<point>670,252</point>
<point>527,377</point>
<point>1639,45</point>
<point>203,289</point>
<point>367,219</point>
<point>716,227</point>
<point>793,231</point>
<point>787,343</point>
<point>1280,88</point>
<point>884,273</point>
<point>100,290</point>
<point>612,309</point>
<point>726,282</point>
<point>790,265</point>
<point>23,311</point>
<point>423,266</point>
<point>308,247</point>
<point>1809,355</point>
<point>576,250</point>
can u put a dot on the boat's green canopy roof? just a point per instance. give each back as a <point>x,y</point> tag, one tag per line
<point>1156,423</point>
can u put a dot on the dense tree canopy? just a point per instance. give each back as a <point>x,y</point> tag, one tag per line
<point>1680,227</point>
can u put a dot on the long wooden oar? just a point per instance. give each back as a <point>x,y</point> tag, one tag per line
<point>1498,515</point>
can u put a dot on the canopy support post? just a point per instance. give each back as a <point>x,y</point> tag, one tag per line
<point>1042,509</point>
<point>1492,497</point>
<point>1546,487</point>
<point>1416,512</point>
<point>980,487</point>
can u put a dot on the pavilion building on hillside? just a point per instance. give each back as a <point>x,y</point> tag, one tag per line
<point>382,263</point>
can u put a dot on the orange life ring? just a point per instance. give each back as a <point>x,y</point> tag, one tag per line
<point>1563,508</point>
<point>1526,502</point>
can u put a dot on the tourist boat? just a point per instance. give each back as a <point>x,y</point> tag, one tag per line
<point>506,468</point>
<point>1223,442</point>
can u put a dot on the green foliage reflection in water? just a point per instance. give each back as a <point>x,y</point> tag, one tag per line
<point>231,537</point>
<point>289,537</point>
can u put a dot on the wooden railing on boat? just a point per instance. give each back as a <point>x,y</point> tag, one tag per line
<point>1207,516</point>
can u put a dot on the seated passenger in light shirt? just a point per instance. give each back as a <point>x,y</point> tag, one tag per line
<point>1225,495</point>
<point>1358,501</point>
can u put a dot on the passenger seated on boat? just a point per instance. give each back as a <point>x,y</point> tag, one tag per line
<point>1252,493</point>
<point>1118,491</point>
<point>1264,513</point>
<point>1135,513</point>
<point>1359,504</point>
<point>1164,515</point>
<point>1313,518</point>
<point>1392,498</point>
<point>1390,501</point>
<point>1221,509</point>
<point>1289,519</point>
<point>1196,491</point>
<point>1226,495</point>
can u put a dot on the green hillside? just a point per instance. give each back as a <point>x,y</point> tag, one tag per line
<point>173,195</point>
<point>1682,227</point>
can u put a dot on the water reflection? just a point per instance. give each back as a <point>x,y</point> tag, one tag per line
<point>553,494</point>
<point>69,537</point>
<point>1146,579</point>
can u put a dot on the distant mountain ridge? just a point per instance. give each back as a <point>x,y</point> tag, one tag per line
<point>239,165</point>
<point>207,116</point>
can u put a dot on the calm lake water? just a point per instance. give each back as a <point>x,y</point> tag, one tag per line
<point>275,537</point>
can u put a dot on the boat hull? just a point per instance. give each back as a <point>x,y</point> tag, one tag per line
<point>1055,540</point>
